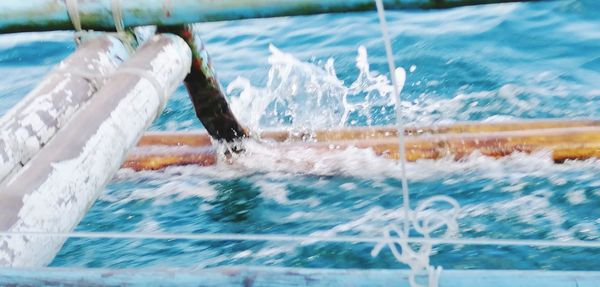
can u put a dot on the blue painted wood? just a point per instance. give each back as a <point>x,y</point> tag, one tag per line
<point>266,276</point>
<point>45,15</point>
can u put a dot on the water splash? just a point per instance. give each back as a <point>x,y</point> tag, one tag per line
<point>302,95</point>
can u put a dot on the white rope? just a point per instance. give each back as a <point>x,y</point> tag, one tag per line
<point>417,260</point>
<point>308,238</point>
<point>400,126</point>
<point>426,220</point>
<point>117,13</point>
<point>73,11</point>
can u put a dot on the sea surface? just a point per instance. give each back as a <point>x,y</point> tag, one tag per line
<point>481,63</point>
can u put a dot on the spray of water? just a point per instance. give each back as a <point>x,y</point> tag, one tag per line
<point>300,95</point>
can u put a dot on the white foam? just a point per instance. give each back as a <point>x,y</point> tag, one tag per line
<point>576,197</point>
<point>8,41</point>
<point>295,90</point>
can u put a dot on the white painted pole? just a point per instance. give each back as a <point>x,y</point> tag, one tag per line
<point>28,126</point>
<point>55,189</point>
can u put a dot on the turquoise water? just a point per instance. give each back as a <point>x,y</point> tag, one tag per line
<point>490,63</point>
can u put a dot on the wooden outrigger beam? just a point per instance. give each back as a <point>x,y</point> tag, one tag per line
<point>201,139</point>
<point>564,140</point>
<point>48,15</point>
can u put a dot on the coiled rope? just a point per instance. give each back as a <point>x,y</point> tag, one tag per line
<point>417,260</point>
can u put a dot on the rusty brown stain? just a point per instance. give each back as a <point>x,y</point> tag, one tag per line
<point>167,7</point>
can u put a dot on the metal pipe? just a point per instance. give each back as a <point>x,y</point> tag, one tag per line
<point>48,15</point>
<point>205,91</point>
<point>55,189</point>
<point>29,125</point>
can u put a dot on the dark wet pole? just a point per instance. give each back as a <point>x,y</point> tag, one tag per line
<point>205,92</point>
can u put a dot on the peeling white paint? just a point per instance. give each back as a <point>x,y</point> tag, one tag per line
<point>33,122</point>
<point>75,177</point>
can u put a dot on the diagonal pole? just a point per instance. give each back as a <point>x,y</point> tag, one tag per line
<point>205,92</point>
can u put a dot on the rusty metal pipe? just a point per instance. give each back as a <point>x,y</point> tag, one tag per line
<point>205,91</point>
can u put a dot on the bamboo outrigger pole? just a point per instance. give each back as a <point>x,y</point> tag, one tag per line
<point>32,123</point>
<point>48,15</point>
<point>55,189</point>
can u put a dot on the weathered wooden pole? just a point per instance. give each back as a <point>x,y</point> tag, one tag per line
<point>205,91</point>
<point>47,15</point>
<point>201,139</point>
<point>30,124</point>
<point>143,159</point>
<point>55,189</point>
<point>562,144</point>
<point>564,140</point>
